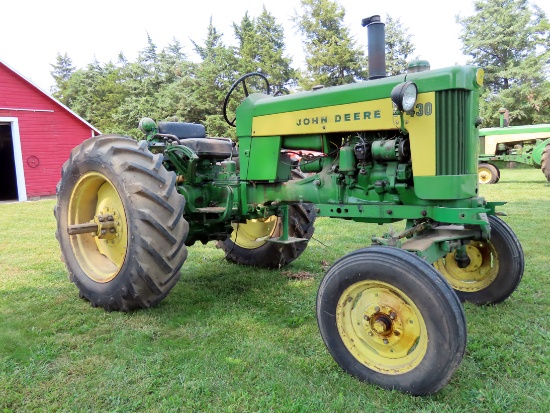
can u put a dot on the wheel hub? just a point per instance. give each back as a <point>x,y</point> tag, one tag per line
<point>382,324</point>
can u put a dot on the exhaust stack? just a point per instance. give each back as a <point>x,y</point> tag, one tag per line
<point>376,46</point>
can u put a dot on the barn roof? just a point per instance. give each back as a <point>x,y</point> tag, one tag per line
<point>48,95</point>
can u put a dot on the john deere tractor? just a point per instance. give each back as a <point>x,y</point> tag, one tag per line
<point>524,144</point>
<point>401,148</point>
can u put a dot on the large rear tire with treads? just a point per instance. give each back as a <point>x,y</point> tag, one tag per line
<point>132,256</point>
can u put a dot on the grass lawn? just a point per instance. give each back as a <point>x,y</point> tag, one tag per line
<point>237,339</point>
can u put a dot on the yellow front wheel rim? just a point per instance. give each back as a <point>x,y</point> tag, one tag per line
<point>93,198</point>
<point>254,233</point>
<point>381,327</point>
<point>484,175</point>
<point>480,272</point>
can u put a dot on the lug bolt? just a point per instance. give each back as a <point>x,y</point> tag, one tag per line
<point>386,341</point>
<point>113,230</point>
<point>392,315</point>
<point>367,317</point>
<point>103,231</point>
<point>370,333</point>
<point>376,308</point>
<point>100,219</point>
<point>397,333</point>
<point>350,299</point>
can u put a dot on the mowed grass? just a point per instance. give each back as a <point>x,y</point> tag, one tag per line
<point>238,339</point>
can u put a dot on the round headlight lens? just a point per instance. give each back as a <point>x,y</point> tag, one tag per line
<point>409,97</point>
<point>404,96</point>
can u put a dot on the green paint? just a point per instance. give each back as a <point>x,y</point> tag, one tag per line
<point>365,176</point>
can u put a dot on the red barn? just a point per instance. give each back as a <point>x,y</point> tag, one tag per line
<point>37,133</point>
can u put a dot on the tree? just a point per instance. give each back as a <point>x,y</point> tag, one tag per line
<point>510,40</point>
<point>331,54</point>
<point>62,71</point>
<point>261,49</point>
<point>96,94</point>
<point>398,47</point>
<point>206,91</point>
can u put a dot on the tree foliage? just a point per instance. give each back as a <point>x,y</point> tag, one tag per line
<point>399,47</point>
<point>262,49</point>
<point>332,55</point>
<point>62,70</point>
<point>510,40</point>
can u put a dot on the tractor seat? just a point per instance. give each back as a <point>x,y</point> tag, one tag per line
<point>182,130</point>
<point>193,135</point>
<point>212,147</point>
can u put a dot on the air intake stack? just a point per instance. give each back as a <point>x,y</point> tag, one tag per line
<point>376,46</point>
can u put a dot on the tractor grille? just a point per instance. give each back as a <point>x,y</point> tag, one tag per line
<point>452,146</point>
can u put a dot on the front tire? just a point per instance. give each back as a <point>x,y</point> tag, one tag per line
<point>387,317</point>
<point>133,258</point>
<point>487,173</point>
<point>495,268</point>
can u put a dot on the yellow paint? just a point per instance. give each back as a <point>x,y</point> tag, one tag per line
<point>254,233</point>
<point>381,327</point>
<point>480,272</point>
<point>369,115</point>
<point>480,76</point>
<point>421,128</point>
<point>94,195</point>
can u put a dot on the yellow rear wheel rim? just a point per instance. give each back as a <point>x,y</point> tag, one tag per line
<point>94,195</point>
<point>254,233</point>
<point>381,327</point>
<point>480,272</point>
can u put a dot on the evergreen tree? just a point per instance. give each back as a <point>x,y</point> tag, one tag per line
<point>262,48</point>
<point>62,71</point>
<point>96,94</point>
<point>332,56</point>
<point>510,40</point>
<point>398,47</point>
<point>213,77</point>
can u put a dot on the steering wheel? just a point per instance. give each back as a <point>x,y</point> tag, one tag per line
<point>242,80</point>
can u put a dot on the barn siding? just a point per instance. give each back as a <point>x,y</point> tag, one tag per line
<point>48,131</point>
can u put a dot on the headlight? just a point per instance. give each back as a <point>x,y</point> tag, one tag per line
<point>404,96</point>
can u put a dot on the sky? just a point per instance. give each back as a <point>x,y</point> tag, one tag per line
<point>33,32</point>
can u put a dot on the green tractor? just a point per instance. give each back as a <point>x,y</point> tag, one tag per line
<point>528,145</point>
<point>401,148</point>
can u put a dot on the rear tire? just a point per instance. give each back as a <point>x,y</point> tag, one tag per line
<point>249,245</point>
<point>545,162</point>
<point>138,264</point>
<point>389,318</point>
<point>487,173</point>
<point>495,269</point>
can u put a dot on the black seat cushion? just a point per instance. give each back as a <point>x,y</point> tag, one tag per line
<point>217,147</point>
<point>182,130</point>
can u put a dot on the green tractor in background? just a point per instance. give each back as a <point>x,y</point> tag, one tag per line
<point>528,144</point>
<point>402,148</point>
